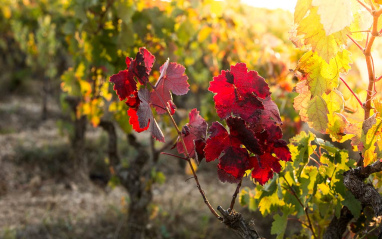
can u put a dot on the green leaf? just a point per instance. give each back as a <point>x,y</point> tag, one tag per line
<point>126,36</point>
<point>352,203</point>
<point>125,10</point>
<point>279,225</point>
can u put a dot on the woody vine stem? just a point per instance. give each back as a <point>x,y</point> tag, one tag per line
<point>369,58</point>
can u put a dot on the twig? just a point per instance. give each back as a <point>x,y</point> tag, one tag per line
<point>302,205</point>
<point>235,195</point>
<point>173,155</point>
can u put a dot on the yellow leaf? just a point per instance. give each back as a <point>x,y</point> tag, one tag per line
<point>362,21</point>
<point>334,101</point>
<point>369,156</point>
<point>302,7</point>
<point>204,33</point>
<point>335,15</point>
<point>323,188</point>
<point>188,170</point>
<point>337,125</point>
<point>326,46</point>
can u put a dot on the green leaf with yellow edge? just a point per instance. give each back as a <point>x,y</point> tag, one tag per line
<point>244,196</point>
<point>310,172</point>
<point>326,46</point>
<point>266,203</point>
<point>323,77</point>
<point>301,148</point>
<point>334,15</point>
<point>317,113</point>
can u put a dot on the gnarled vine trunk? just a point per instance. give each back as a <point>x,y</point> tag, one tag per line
<point>364,192</point>
<point>78,137</point>
<point>136,179</point>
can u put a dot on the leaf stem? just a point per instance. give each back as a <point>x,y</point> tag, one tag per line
<point>302,205</point>
<point>235,195</point>
<point>188,157</point>
<point>359,101</point>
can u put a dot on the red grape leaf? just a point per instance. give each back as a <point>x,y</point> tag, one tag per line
<point>270,140</point>
<point>133,100</point>
<point>172,79</point>
<point>234,160</point>
<point>199,145</point>
<point>142,117</point>
<point>237,91</point>
<point>135,122</point>
<point>244,107</point>
<point>282,151</point>
<point>238,82</point>
<point>140,67</point>
<point>124,84</point>
<point>226,177</point>
<point>260,174</point>
<point>267,117</point>
<point>171,106</point>
<point>239,130</point>
<point>194,130</point>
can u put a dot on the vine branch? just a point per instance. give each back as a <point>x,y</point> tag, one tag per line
<point>302,205</point>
